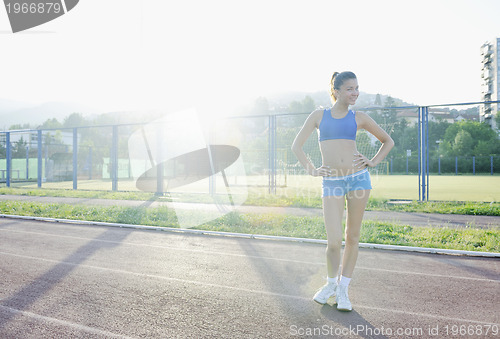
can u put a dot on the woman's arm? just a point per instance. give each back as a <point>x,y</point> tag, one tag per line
<point>310,125</point>
<point>367,123</point>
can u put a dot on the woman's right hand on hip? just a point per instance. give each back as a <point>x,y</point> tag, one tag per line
<point>323,171</point>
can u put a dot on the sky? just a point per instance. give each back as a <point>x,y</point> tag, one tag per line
<point>118,55</point>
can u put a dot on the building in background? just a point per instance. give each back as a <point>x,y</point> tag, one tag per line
<point>490,80</point>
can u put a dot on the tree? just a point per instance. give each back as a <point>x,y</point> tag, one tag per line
<point>436,133</point>
<point>295,107</point>
<point>478,131</point>
<point>19,148</point>
<point>463,143</point>
<point>50,124</point>
<point>75,120</point>
<point>486,148</point>
<point>405,138</point>
<point>19,126</point>
<point>470,138</point>
<point>308,104</point>
<point>384,117</point>
<point>389,116</point>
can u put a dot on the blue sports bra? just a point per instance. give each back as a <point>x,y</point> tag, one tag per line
<point>331,128</point>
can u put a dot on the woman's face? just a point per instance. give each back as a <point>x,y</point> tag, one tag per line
<point>348,92</point>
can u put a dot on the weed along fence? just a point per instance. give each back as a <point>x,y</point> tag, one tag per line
<point>103,158</point>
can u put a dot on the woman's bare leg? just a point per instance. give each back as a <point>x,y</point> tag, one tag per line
<point>356,204</point>
<point>333,211</point>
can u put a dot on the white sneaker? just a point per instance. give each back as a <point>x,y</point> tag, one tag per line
<point>343,302</point>
<point>325,292</point>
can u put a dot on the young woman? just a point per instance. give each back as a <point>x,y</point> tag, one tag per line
<point>345,179</point>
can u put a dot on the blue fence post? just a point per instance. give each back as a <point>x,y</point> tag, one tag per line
<point>423,138</point>
<point>90,163</point>
<point>439,165</point>
<point>8,159</point>
<point>407,162</point>
<point>474,165</point>
<point>39,167</point>
<point>114,161</point>
<point>427,149</point>
<point>27,163</point>
<point>419,144</point>
<point>75,158</point>
<point>46,147</point>
<point>456,165</point>
<point>272,154</point>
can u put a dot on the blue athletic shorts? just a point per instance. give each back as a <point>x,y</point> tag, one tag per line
<point>338,186</point>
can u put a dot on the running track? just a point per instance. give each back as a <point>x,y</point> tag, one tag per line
<point>79,281</point>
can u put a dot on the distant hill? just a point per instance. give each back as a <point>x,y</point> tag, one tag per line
<point>16,112</point>
<point>280,101</point>
<point>7,106</point>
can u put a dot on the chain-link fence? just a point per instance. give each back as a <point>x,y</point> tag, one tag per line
<point>98,157</point>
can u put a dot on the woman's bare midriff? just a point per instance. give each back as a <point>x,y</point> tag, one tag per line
<point>339,155</point>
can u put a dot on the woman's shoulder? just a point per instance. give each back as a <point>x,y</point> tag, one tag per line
<point>363,118</point>
<point>316,116</point>
<point>317,113</point>
<point>319,110</point>
<point>360,114</point>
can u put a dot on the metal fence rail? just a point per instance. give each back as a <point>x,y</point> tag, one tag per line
<point>100,153</point>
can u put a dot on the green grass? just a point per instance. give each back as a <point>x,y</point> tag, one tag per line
<point>379,204</point>
<point>444,207</point>
<point>160,216</point>
<point>257,198</point>
<point>471,239</point>
<point>483,188</point>
<point>88,194</point>
<point>441,187</point>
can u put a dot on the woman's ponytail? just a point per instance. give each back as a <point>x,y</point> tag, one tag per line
<point>332,86</point>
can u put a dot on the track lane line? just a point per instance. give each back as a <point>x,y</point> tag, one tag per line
<point>240,289</point>
<point>64,323</point>
<point>252,256</point>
